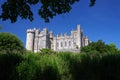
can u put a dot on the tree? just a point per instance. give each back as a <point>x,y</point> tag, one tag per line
<point>98,46</point>
<point>9,43</point>
<point>113,48</point>
<point>12,9</point>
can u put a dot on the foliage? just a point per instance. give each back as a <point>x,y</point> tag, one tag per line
<point>8,63</point>
<point>27,68</point>
<point>100,47</point>
<point>43,67</point>
<point>60,66</point>
<point>9,43</point>
<point>69,66</point>
<point>113,48</point>
<point>47,51</point>
<point>92,2</point>
<point>12,9</point>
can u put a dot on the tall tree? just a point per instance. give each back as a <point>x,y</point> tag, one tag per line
<point>12,9</point>
<point>9,43</point>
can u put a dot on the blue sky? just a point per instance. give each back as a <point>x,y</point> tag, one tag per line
<point>99,22</point>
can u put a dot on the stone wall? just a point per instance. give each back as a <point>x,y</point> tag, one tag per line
<point>37,40</point>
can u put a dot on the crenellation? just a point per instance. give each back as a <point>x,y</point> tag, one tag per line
<point>30,31</point>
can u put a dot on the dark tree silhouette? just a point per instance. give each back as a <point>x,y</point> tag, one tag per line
<point>12,9</point>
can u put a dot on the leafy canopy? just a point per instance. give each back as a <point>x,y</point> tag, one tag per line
<point>9,43</point>
<point>12,9</point>
<point>100,47</point>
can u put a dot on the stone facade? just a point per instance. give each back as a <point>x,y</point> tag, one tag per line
<point>37,40</point>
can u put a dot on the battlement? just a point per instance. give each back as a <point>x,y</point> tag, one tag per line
<point>65,35</point>
<point>30,30</point>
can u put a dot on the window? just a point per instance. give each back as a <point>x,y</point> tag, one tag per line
<point>69,43</point>
<point>75,43</point>
<point>74,35</point>
<point>65,44</point>
<point>61,44</point>
<point>57,44</point>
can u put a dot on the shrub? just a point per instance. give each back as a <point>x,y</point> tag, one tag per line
<point>27,68</point>
<point>9,43</point>
<point>8,63</point>
<point>61,66</point>
<point>43,67</point>
<point>47,51</point>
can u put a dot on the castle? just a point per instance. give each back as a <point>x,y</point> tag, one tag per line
<point>37,40</point>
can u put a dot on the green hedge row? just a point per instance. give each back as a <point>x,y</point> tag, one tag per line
<point>61,66</point>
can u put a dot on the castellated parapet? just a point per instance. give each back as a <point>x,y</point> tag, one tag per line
<point>38,39</point>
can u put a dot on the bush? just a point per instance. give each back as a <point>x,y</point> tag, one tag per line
<point>9,43</point>
<point>43,67</point>
<point>8,63</point>
<point>61,66</point>
<point>47,51</point>
<point>100,47</point>
<point>27,68</point>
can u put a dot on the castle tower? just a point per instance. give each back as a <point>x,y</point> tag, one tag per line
<point>30,39</point>
<point>86,41</point>
<point>79,36</point>
<point>55,43</point>
<point>37,31</point>
<point>46,40</point>
<point>51,40</point>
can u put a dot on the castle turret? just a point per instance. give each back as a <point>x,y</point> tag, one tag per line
<point>37,31</point>
<point>30,40</point>
<point>55,46</point>
<point>45,31</point>
<point>51,40</point>
<point>51,34</point>
<point>46,40</point>
<point>86,41</point>
<point>79,36</point>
